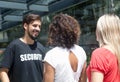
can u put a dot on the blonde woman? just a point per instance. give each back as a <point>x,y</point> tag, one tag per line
<point>105,61</point>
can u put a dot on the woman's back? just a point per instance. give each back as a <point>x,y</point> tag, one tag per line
<point>68,64</point>
<point>105,62</point>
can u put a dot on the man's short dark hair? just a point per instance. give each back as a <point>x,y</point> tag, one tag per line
<point>29,18</point>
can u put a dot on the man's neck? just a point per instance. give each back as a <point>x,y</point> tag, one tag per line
<point>27,40</point>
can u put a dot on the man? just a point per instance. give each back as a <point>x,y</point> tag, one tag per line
<point>22,60</point>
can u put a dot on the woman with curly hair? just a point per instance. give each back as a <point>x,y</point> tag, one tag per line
<point>66,62</point>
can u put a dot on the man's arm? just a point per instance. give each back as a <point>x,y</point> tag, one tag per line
<point>4,75</point>
<point>49,72</point>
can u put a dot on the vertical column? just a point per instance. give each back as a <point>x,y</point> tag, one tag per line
<point>0,24</point>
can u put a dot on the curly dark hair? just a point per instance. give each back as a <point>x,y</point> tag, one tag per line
<point>64,31</point>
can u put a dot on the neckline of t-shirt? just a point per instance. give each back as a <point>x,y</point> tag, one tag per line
<point>26,43</point>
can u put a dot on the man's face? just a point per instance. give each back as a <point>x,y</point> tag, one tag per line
<point>33,29</point>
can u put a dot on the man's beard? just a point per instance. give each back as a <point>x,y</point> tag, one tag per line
<point>32,37</point>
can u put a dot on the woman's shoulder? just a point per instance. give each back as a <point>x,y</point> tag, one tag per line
<point>78,47</point>
<point>54,50</point>
<point>102,53</point>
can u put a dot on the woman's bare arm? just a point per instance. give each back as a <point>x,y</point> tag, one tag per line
<point>83,77</point>
<point>96,77</point>
<point>49,72</point>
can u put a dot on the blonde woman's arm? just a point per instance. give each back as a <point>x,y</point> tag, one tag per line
<point>4,75</point>
<point>96,77</point>
<point>83,77</point>
<point>49,72</point>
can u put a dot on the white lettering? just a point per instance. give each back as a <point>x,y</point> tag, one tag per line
<point>21,57</point>
<point>28,57</point>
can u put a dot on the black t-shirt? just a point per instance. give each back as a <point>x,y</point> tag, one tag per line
<point>24,61</point>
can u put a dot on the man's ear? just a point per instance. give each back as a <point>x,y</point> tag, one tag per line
<point>25,26</point>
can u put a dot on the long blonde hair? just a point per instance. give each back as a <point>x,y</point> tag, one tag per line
<point>108,33</point>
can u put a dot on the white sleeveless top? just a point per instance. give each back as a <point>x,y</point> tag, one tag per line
<point>58,58</point>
